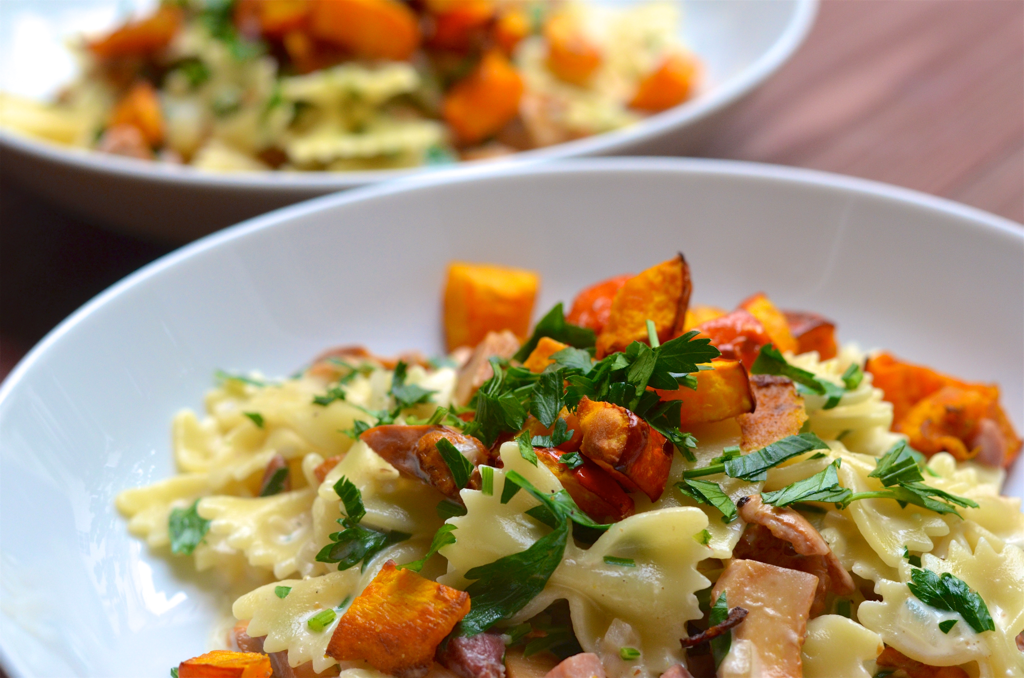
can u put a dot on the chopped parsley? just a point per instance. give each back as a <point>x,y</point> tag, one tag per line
<point>703,537</point>
<point>561,434</point>
<point>256,418</point>
<point>407,395</point>
<point>187,529</point>
<point>194,70</point>
<point>852,377</point>
<point>321,620</point>
<point>720,645</point>
<point>359,427</point>
<point>174,672</point>
<point>949,593</point>
<point>710,493</point>
<point>443,537</point>
<point>355,543</point>
<point>823,486</point>
<point>913,560</point>
<point>623,562</point>
<point>282,591</point>
<point>844,607</point>
<point>770,361</point>
<point>457,463</point>
<point>947,626</point>
<point>526,450</point>
<point>221,376</point>
<point>754,467</point>
<point>446,508</point>
<point>548,398</point>
<point>572,460</point>
<point>629,654</point>
<point>554,325</point>
<point>275,485</point>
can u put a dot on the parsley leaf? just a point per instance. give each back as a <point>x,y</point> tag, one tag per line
<point>708,492</point>
<point>560,504</point>
<point>457,463</point>
<point>351,499</point>
<point>282,591</point>
<point>947,626</point>
<point>912,559</point>
<point>359,427</point>
<point>321,620</point>
<point>355,543</point>
<point>174,672</point>
<point>572,460</point>
<point>548,397</point>
<point>574,358</point>
<point>256,418</point>
<point>446,508</point>
<point>187,529</point>
<point>823,486</point>
<point>276,483</point>
<point>443,537</point>
<point>629,654</point>
<point>754,466</point>
<point>526,450</point>
<point>770,361</point>
<point>487,480</point>
<point>720,645</point>
<point>900,464</point>
<point>221,375</point>
<point>951,594</point>
<point>554,325</point>
<point>407,395</point>
<point>684,353</point>
<point>561,434</point>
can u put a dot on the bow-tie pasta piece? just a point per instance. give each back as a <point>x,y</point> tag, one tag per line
<point>838,647</point>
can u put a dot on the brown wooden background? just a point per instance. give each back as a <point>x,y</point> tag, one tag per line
<point>927,94</point>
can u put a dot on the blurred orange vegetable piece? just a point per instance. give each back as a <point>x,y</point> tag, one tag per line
<point>372,29</point>
<point>140,108</point>
<point>661,294</point>
<point>510,29</point>
<point>592,306</point>
<point>140,38</point>
<point>483,102</point>
<point>904,384</point>
<point>779,412</point>
<point>572,55</point>
<point>773,321</point>
<point>397,622</point>
<point>225,664</point>
<point>624,445</point>
<point>592,488</point>
<point>458,23</point>
<point>279,17</point>
<point>669,85</point>
<point>813,333</point>
<point>738,335</point>
<point>480,298</point>
<point>695,315</point>
<point>722,392</point>
<point>540,358</point>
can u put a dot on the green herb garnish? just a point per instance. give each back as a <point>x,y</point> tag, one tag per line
<point>443,537</point>
<point>770,361</point>
<point>572,460</point>
<point>355,543</point>
<point>754,467</point>
<point>629,654</point>
<point>276,483</point>
<point>710,493</point>
<point>949,593</point>
<point>256,418</point>
<point>321,620</point>
<point>282,591</point>
<point>187,529</point>
<point>823,486</point>
<point>623,562</point>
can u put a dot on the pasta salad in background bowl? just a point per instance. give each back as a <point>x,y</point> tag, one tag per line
<point>527,467</point>
<point>336,93</point>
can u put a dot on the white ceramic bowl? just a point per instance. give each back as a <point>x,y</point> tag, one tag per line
<point>88,412</point>
<point>742,42</point>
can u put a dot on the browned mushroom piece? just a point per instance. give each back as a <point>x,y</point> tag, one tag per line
<point>413,451</point>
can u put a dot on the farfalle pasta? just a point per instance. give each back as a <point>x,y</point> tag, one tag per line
<point>639,488</point>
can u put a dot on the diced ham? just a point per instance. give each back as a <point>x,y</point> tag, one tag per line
<point>477,369</point>
<point>778,602</point>
<point>479,656</point>
<point>583,665</point>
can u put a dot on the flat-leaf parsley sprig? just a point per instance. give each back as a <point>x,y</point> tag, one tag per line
<point>355,543</point>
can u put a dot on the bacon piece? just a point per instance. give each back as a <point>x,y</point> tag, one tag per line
<point>723,392</point>
<point>276,463</point>
<point>813,333</point>
<point>225,664</point>
<point>582,665</point>
<point>738,335</point>
<point>592,488</point>
<point>734,619</point>
<point>891,658</point>
<point>540,357</point>
<point>477,369</point>
<point>778,602</point>
<point>779,412</point>
<point>592,306</point>
<point>478,656</point>
<point>773,321</point>
<point>413,451</point>
<point>660,294</point>
<point>624,445</point>
<point>397,622</point>
<point>326,466</point>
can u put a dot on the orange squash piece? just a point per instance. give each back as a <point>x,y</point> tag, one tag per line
<point>279,17</point>
<point>397,622</point>
<point>592,306</point>
<point>624,445</point>
<point>779,412</point>
<point>510,29</point>
<point>459,25</point>
<point>696,315</point>
<point>225,664</point>
<point>540,358</point>
<point>371,29</point>
<point>486,100</point>
<point>572,423</point>
<point>773,321</point>
<point>140,108</point>
<point>778,604</point>
<point>813,333</point>
<point>660,294</point>
<point>591,487</point>
<point>738,335</point>
<point>480,298</point>
<point>904,384</point>
<point>722,392</point>
<point>140,38</point>
<point>670,84</point>
<point>572,56</point>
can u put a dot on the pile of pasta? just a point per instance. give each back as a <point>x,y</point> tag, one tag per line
<point>248,85</point>
<point>639,487</point>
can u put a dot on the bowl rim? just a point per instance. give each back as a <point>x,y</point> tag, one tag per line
<point>976,218</point>
<point>618,141</point>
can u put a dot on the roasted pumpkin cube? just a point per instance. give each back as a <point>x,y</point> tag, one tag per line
<point>624,445</point>
<point>225,664</point>
<point>486,100</point>
<point>722,392</point>
<point>140,38</point>
<point>660,294</point>
<point>778,604</point>
<point>460,25</point>
<point>779,412</point>
<point>592,306</point>
<point>773,321</point>
<point>511,28</point>
<point>695,315</point>
<point>738,335</point>
<point>592,488</point>
<point>397,622</point>
<point>372,29</point>
<point>480,298</point>
<point>140,108</point>
<point>278,17</point>
<point>813,333</point>
<point>950,420</point>
<point>413,451</point>
<point>572,55</point>
<point>572,424</point>
<point>540,358</point>
<point>904,384</point>
<point>670,84</point>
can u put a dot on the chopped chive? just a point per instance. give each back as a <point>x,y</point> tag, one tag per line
<point>624,562</point>
<point>629,653</point>
<point>652,334</point>
<point>487,480</point>
<point>703,537</point>
<point>282,591</point>
<point>321,620</point>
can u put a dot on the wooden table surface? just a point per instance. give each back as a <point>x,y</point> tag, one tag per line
<point>927,94</point>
